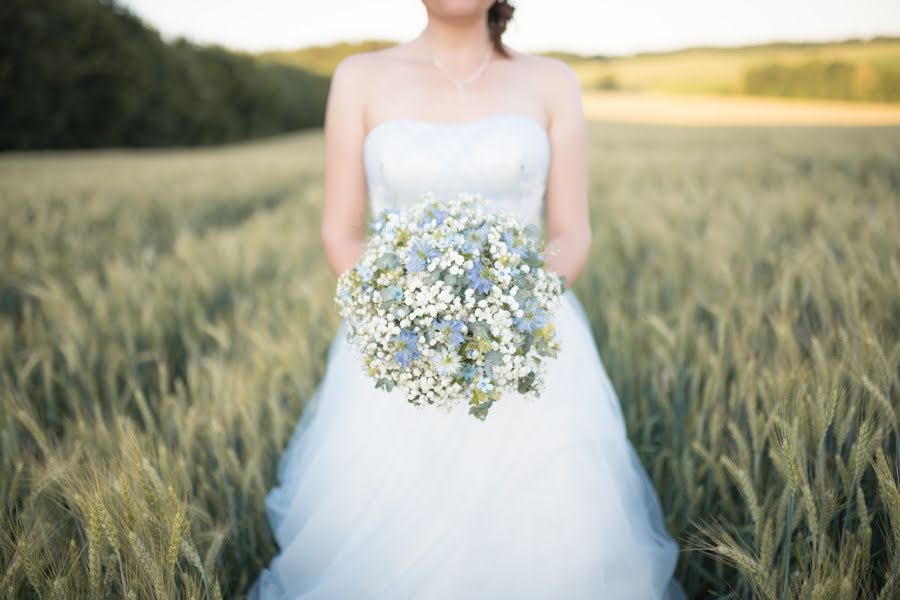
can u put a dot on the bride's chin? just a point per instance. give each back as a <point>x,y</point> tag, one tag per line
<point>457,8</point>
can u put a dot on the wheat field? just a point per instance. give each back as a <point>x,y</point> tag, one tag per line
<point>165,315</point>
<point>711,110</point>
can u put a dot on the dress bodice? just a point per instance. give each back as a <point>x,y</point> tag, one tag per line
<point>504,156</point>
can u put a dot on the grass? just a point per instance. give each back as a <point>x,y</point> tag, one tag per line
<point>164,316</point>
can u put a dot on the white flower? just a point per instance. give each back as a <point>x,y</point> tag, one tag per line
<point>445,362</point>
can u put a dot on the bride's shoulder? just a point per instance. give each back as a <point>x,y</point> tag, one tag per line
<point>358,71</point>
<point>544,69</point>
<point>367,69</point>
<point>377,60</point>
<point>557,81</point>
<point>357,64</point>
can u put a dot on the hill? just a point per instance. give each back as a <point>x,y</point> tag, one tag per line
<point>853,69</point>
<point>846,70</point>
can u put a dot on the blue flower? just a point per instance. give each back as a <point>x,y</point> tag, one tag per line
<point>533,317</point>
<point>406,347</point>
<point>365,272</point>
<point>437,214</point>
<point>510,271</point>
<point>477,280</point>
<point>419,255</point>
<point>445,237</point>
<point>485,385</point>
<point>475,238</point>
<point>391,293</point>
<point>515,247</point>
<point>469,372</point>
<point>381,219</point>
<point>453,329</point>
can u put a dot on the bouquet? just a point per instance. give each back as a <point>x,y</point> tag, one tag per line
<point>451,302</point>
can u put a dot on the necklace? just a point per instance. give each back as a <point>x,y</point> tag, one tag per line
<point>459,83</point>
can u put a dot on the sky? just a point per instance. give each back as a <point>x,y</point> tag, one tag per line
<point>582,26</point>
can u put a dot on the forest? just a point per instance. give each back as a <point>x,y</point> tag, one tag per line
<point>90,74</point>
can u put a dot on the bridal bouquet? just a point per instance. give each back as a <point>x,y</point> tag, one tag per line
<point>451,303</point>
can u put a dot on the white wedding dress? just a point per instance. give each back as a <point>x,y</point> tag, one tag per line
<point>544,499</point>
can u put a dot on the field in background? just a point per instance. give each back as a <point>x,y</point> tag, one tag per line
<point>699,109</point>
<point>164,316</point>
<point>721,70</point>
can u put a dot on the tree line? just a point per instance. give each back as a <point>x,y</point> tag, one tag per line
<point>89,73</point>
<point>827,79</point>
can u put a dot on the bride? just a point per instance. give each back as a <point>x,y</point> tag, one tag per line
<point>545,498</point>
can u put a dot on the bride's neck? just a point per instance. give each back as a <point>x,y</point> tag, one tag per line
<point>457,42</point>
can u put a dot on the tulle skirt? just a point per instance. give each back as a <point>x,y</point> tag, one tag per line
<point>545,498</point>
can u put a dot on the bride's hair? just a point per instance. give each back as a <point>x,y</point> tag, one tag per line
<point>498,15</point>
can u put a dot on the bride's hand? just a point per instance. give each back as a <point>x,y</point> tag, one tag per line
<point>342,251</point>
<point>569,254</point>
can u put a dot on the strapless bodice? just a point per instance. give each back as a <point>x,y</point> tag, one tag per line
<point>504,156</point>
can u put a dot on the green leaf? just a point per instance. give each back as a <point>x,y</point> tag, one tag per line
<point>477,397</point>
<point>526,384</point>
<point>480,329</point>
<point>526,345</point>
<point>480,411</point>
<point>493,357</point>
<point>387,261</point>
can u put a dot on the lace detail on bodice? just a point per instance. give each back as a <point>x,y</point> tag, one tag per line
<point>505,156</point>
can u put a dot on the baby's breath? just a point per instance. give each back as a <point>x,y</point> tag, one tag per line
<point>451,303</point>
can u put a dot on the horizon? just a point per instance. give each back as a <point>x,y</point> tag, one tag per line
<point>537,27</point>
<point>887,37</point>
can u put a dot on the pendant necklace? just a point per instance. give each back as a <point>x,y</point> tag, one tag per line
<point>459,83</point>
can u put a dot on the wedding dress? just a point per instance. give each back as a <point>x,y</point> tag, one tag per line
<point>545,498</point>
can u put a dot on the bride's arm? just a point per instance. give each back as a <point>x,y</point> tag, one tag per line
<point>343,215</point>
<point>567,221</point>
